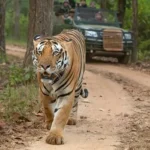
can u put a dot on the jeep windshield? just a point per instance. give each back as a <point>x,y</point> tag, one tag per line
<point>95,17</point>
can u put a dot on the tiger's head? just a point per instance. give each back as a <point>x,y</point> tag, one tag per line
<point>49,57</point>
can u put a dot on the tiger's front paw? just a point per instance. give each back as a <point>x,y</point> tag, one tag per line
<point>72,121</point>
<point>55,138</point>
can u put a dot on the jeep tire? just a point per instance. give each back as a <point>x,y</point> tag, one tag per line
<point>88,57</point>
<point>124,59</point>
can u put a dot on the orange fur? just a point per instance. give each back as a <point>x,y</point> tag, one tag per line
<point>65,89</point>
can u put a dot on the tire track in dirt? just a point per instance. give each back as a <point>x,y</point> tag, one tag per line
<point>137,133</point>
<point>133,75</point>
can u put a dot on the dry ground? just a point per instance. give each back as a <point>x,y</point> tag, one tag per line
<point>115,115</point>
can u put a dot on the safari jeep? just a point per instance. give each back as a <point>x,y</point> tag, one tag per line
<point>103,34</point>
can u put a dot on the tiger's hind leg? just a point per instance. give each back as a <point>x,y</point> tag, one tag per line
<point>73,115</point>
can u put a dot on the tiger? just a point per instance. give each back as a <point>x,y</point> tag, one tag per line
<point>60,64</point>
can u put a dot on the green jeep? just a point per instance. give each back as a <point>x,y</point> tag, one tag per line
<point>103,34</point>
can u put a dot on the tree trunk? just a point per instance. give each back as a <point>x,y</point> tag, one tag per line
<point>121,10</point>
<point>40,22</point>
<point>16,19</point>
<point>2,31</point>
<point>103,4</point>
<point>134,29</point>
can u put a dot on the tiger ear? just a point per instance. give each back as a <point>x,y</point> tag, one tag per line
<point>36,40</point>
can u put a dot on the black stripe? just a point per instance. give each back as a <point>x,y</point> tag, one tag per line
<point>56,109</point>
<point>68,77</point>
<point>42,42</point>
<point>59,57</point>
<point>60,75</point>
<point>71,79</point>
<point>43,92</point>
<point>65,65</point>
<point>65,55</point>
<point>66,94</point>
<point>78,89</point>
<point>65,59</point>
<point>62,63</point>
<point>53,101</point>
<point>55,80</point>
<point>77,96</point>
<point>75,105</point>
<point>46,88</point>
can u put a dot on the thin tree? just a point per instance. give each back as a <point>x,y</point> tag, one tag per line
<point>40,22</point>
<point>134,29</point>
<point>121,10</point>
<point>2,31</point>
<point>16,4</point>
<point>103,4</point>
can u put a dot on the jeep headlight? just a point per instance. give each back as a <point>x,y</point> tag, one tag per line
<point>127,36</point>
<point>91,33</point>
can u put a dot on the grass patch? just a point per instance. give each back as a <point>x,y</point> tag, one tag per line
<point>144,55</point>
<point>20,121</point>
<point>18,90</point>
<point>19,103</point>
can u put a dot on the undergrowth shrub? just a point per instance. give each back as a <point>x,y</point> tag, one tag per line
<point>19,75</point>
<point>19,102</point>
<point>18,98</point>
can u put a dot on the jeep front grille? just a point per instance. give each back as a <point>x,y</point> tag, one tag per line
<point>112,40</point>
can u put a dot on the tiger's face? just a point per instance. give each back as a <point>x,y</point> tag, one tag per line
<point>50,59</point>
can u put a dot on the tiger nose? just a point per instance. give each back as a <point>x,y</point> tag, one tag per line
<point>45,66</point>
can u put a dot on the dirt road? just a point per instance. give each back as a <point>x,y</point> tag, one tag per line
<point>107,120</point>
<point>115,115</point>
<point>15,50</point>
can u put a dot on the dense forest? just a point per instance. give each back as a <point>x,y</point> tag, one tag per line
<point>17,19</point>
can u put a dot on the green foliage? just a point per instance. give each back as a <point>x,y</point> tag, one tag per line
<point>144,50</point>
<point>23,21</point>
<point>19,75</point>
<point>23,27</point>
<point>19,102</point>
<point>18,96</point>
<point>2,56</point>
<point>145,45</point>
<point>143,27</point>
<point>9,22</point>
<point>143,20</point>
<point>144,55</point>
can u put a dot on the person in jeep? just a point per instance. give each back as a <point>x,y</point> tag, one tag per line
<point>92,4</point>
<point>66,7</point>
<point>83,3</point>
<point>103,35</point>
<point>99,17</point>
